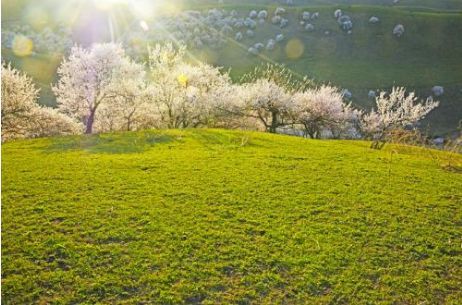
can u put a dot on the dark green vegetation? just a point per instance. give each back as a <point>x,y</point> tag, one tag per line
<point>427,4</point>
<point>211,216</point>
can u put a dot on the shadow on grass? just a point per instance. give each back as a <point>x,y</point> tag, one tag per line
<point>223,138</point>
<point>115,143</point>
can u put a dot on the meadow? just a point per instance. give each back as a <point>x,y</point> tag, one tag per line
<point>207,216</point>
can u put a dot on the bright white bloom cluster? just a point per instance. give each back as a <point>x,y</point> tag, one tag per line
<point>92,77</point>
<point>104,90</point>
<point>183,94</point>
<point>22,117</point>
<point>323,110</point>
<point>397,109</point>
<point>268,102</point>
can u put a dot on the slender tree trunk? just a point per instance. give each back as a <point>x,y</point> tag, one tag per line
<point>90,121</point>
<point>274,122</point>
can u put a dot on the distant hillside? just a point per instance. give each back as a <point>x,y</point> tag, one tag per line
<point>431,4</point>
<point>428,54</point>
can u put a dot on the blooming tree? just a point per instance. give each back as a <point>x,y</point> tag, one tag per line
<point>22,117</point>
<point>92,77</point>
<point>50,122</point>
<point>183,94</point>
<point>323,109</point>
<point>268,102</point>
<point>132,109</point>
<point>280,75</point>
<point>19,96</point>
<point>395,110</point>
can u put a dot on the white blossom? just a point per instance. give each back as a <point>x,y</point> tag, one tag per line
<point>270,44</point>
<point>337,13</point>
<point>279,11</point>
<point>263,14</point>
<point>267,102</point>
<point>183,94</point>
<point>323,109</point>
<point>438,90</point>
<point>374,19</point>
<point>398,30</point>
<point>22,116</point>
<point>309,27</point>
<point>90,77</point>
<point>397,109</point>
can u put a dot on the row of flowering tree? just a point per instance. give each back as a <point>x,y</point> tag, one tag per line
<point>101,89</point>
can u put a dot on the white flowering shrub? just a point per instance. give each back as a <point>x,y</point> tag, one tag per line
<point>267,102</point>
<point>92,77</point>
<point>183,94</point>
<point>280,75</point>
<point>322,109</point>
<point>396,109</point>
<point>22,117</point>
<point>132,109</point>
<point>50,122</point>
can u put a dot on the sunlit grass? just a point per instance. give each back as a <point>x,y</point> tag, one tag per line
<point>227,217</point>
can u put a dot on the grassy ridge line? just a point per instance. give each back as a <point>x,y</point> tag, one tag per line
<point>227,217</point>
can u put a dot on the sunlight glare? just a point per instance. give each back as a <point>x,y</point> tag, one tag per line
<point>22,45</point>
<point>37,17</point>
<point>144,25</point>
<point>144,9</point>
<point>106,5</point>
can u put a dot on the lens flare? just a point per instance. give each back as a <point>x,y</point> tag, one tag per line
<point>294,48</point>
<point>22,46</point>
<point>143,9</point>
<point>106,5</point>
<point>182,80</point>
<point>37,17</point>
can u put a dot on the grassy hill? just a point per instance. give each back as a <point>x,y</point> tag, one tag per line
<point>371,58</point>
<point>228,217</point>
<point>428,4</point>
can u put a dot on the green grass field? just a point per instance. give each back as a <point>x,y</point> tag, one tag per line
<point>228,217</point>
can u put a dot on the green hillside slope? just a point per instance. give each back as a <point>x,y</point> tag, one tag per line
<point>371,58</point>
<point>228,217</point>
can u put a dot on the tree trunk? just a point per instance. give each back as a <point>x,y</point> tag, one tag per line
<point>90,121</point>
<point>274,122</point>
